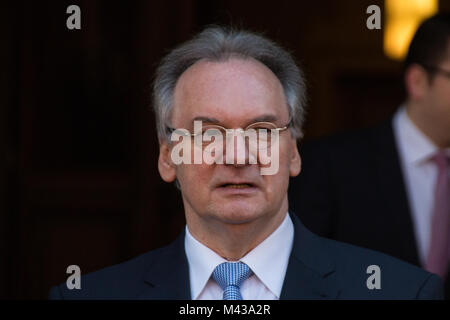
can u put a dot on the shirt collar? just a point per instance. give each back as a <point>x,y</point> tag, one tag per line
<point>202,262</point>
<point>416,146</point>
<point>268,260</point>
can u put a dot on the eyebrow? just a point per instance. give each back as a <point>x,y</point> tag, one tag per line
<point>262,118</point>
<point>205,119</point>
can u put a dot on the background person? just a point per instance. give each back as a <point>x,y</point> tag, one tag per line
<point>387,187</point>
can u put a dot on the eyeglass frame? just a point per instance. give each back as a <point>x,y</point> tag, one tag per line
<point>435,69</point>
<point>279,129</point>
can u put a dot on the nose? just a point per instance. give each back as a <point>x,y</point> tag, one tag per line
<point>237,150</point>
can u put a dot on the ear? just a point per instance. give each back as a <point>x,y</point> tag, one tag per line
<point>166,167</point>
<point>295,161</point>
<point>416,81</point>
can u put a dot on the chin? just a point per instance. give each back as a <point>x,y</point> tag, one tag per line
<point>240,214</point>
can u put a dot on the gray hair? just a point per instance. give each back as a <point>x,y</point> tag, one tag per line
<point>220,44</point>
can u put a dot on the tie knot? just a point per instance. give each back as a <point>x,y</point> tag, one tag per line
<point>231,274</point>
<point>441,159</point>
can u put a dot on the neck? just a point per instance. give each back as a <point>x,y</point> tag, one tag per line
<point>234,241</point>
<point>428,124</point>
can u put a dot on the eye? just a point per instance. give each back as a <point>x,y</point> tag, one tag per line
<point>212,131</point>
<point>262,126</point>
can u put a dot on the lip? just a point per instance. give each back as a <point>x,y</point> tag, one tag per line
<point>224,183</point>
<point>225,187</point>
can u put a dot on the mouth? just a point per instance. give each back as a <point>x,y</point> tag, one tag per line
<point>237,185</point>
<point>237,188</point>
<point>240,187</point>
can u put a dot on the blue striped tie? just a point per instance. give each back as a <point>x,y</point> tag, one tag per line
<point>230,276</point>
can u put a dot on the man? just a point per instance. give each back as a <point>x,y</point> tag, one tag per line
<point>387,188</point>
<point>240,241</point>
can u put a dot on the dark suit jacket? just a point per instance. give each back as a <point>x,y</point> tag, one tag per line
<point>318,268</point>
<point>351,189</point>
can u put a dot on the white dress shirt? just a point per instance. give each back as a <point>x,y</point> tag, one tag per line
<point>268,261</point>
<point>420,173</point>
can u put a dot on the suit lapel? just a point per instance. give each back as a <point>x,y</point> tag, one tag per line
<point>168,276</point>
<point>392,189</point>
<point>310,273</point>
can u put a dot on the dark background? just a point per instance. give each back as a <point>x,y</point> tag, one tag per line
<point>79,181</point>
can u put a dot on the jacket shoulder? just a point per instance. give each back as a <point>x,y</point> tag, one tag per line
<point>368,274</point>
<point>120,281</point>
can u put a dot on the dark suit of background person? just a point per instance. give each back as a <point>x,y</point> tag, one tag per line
<point>237,219</point>
<point>354,186</point>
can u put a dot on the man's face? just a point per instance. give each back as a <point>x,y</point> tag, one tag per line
<point>233,94</point>
<point>437,96</point>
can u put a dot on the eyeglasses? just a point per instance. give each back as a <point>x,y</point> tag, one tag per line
<point>435,69</point>
<point>263,133</point>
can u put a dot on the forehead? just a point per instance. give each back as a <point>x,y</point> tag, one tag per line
<point>230,91</point>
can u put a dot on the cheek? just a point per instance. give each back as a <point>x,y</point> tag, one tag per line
<point>275,188</point>
<point>194,176</point>
<point>446,100</point>
<point>286,150</point>
<point>441,93</point>
<point>275,184</point>
<point>441,104</point>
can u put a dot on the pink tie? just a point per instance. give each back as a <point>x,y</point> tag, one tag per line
<point>438,255</point>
